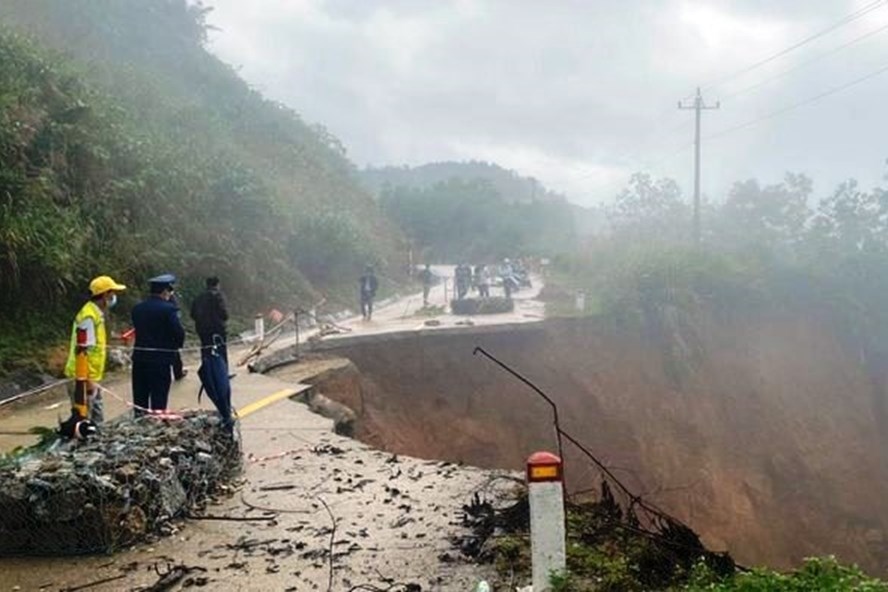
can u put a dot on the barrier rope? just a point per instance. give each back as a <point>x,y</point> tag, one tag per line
<point>274,333</point>
<point>36,390</point>
<point>156,413</point>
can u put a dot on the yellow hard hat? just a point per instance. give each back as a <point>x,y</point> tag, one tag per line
<point>103,284</point>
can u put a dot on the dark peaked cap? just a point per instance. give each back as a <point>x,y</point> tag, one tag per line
<point>163,280</point>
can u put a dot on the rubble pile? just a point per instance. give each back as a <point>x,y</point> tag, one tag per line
<point>123,485</point>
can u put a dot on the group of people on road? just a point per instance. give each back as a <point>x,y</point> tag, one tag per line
<point>159,335</point>
<point>482,277</point>
<point>478,279</point>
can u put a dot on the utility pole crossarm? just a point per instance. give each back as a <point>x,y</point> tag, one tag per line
<point>698,106</point>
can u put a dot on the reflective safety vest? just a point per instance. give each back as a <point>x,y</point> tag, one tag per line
<point>97,354</point>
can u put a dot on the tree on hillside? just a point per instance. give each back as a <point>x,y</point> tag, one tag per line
<point>449,218</point>
<point>851,221</point>
<point>463,219</point>
<point>650,209</point>
<point>511,187</point>
<point>773,216</point>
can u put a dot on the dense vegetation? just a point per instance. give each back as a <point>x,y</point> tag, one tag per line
<point>138,152</point>
<point>511,186</point>
<point>468,218</point>
<point>609,550</point>
<point>772,245</point>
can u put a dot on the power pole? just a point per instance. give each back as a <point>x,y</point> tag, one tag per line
<point>698,105</point>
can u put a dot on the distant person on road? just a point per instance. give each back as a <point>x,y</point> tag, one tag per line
<point>426,276</point>
<point>368,284</point>
<point>210,314</point>
<point>482,279</point>
<point>463,278</point>
<point>159,334</point>
<point>508,275</point>
<point>91,319</point>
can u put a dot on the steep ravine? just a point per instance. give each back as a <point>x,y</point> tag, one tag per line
<point>761,433</point>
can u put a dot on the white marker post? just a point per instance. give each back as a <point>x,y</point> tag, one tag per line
<point>259,328</point>
<point>547,531</point>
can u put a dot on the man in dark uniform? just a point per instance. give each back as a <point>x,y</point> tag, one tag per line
<point>159,335</point>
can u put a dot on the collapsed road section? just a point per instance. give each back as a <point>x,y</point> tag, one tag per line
<point>762,433</point>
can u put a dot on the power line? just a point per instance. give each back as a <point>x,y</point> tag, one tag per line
<point>806,63</point>
<point>755,121</point>
<point>644,167</point>
<point>580,173</point>
<point>838,24</point>
<point>794,106</point>
<point>584,172</point>
<point>859,13</point>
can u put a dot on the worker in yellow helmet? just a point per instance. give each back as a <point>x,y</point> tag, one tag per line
<point>91,318</point>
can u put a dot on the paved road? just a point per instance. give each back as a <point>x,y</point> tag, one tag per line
<point>402,314</point>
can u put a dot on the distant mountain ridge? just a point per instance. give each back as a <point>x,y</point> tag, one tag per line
<point>512,187</point>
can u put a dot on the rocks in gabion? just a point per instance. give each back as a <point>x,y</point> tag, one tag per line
<point>117,488</point>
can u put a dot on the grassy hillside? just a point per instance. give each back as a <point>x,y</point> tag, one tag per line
<point>129,149</point>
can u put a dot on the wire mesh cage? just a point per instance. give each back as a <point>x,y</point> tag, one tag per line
<point>119,487</point>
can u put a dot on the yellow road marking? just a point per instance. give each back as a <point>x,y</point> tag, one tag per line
<point>272,398</point>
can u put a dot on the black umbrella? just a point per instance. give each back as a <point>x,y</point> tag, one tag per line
<point>214,380</point>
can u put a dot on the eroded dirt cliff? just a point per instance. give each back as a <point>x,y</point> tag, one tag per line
<point>764,433</point>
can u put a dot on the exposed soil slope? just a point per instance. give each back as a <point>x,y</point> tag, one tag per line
<point>765,435</point>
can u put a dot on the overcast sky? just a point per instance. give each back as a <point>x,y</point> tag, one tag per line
<point>579,93</point>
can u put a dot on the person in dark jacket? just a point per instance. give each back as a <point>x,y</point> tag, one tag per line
<point>426,277</point>
<point>210,315</point>
<point>462,276</point>
<point>368,286</point>
<point>159,335</point>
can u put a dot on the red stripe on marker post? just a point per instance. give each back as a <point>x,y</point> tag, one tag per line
<point>543,467</point>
